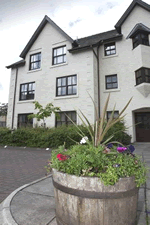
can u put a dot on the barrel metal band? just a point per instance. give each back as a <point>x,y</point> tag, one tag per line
<point>95,195</point>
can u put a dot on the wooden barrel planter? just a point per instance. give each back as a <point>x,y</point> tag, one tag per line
<point>86,201</point>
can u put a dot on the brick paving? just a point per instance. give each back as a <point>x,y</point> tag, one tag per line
<point>19,166</point>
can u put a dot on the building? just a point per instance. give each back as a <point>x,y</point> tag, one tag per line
<point>55,68</point>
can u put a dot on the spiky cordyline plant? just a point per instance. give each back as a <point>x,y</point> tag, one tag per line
<point>101,126</point>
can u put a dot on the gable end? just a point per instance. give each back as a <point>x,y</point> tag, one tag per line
<point>38,31</point>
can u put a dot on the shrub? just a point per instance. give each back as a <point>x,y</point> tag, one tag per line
<point>119,132</point>
<point>54,137</point>
<point>5,135</point>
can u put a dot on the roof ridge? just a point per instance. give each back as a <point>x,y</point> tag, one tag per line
<point>97,34</point>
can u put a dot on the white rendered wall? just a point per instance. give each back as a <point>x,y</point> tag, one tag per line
<point>45,78</point>
<point>124,64</point>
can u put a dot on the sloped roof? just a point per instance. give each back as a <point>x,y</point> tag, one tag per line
<point>38,31</point>
<point>85,42</point>
<point>16,64</point>
<point>138,27</point>
<point>128,11</point>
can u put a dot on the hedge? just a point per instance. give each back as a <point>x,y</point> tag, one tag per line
<point>54,137</point>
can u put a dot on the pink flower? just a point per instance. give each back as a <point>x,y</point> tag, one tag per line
<point>61,157</point>
<point>121,149</point>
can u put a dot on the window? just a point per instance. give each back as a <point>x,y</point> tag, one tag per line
<point>66,85</point>
<point>110,49</point>
<point>116,114</point>
<point>27,91</point>
<point>142,75</point>
<point>62,119</point>
<point>35,61</point>
<point>140,38</point>
<point>111,82</point>
<point>23,120</point>
<point>59,55</point>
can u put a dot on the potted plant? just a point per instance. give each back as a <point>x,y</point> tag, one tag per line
<point>95,181</point>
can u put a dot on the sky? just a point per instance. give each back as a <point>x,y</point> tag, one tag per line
<point>78,18</point>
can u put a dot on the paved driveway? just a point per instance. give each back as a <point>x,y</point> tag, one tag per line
<point>19,166</point>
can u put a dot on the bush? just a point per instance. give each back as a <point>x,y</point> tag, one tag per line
<point>5,135</point>
<point>119,132</point>
<point>54,137</point>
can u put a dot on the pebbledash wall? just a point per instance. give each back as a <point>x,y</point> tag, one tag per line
<point>82,61</point>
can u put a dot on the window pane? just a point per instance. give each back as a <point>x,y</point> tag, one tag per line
<point>74,89</point>
<point>112,47</point>
<point>69,80</point>
<point>114,85</point>
<point>33,86</point>
<point>23,96</point>
<point>74,116</point>
<point>63,116</point>
<point>36,57</point>
<point>63,90</point>
<point>60,59</point>
<point>36,65</point>
<point>114,79</point>
<point>146,72</point>
<point>32,66</point>
<point>59,51</point>
<point>113,52</point>
<point>69,90</point>
<point>108,79</point>
<point>64,58</point>
<point>108,53</point>
<point>74,79</point>
<point>32,58</point>
<point>55,52</point>
<point>116,113</point>
<point>109,86</point>
<point>63,81</point>
<point>64,50</point>
<point>59,91</point>
<point>58,82</point>
<point>55,61</point>
<point>30,87</point>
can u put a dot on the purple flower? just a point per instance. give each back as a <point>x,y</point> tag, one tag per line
<point>131,148</point>
<point>121,149</point>
<point>110,145</point>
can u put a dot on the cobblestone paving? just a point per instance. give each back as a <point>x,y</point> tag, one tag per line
<point>19,166</point>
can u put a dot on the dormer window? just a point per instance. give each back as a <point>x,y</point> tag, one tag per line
<point>141,38</point>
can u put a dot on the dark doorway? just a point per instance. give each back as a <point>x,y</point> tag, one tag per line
<point>143,126</point>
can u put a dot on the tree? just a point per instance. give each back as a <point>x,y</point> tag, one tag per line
<point>43,113</point>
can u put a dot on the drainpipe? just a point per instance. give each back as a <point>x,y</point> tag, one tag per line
<point>13,111</point>
<point>98,73</point>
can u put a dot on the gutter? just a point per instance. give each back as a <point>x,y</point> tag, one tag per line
<point>13,112</point>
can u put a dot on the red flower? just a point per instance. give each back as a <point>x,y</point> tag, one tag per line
<point>61,157</point>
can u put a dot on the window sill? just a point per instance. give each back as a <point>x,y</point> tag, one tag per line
<point>109,56</point>
<point>57,65</point>
<point>32,71</point>
<point>66,97</point>
<point>112,90</point>
<point>25,101</point>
